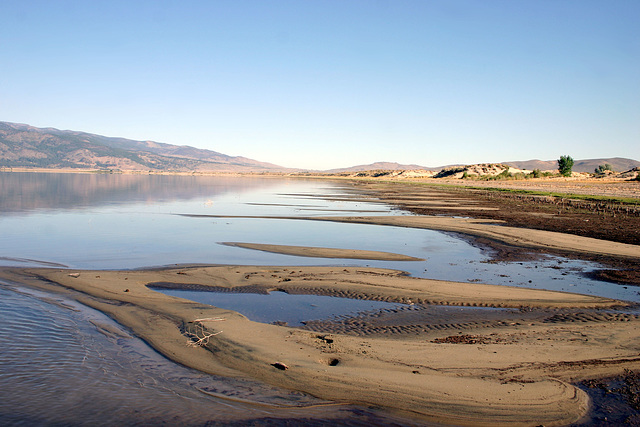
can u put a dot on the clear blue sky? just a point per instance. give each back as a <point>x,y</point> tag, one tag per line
<point>326,84</point>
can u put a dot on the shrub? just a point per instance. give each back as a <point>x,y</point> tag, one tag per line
<point>449,171</point>
<point>504,174</point>
<point>603,168</point>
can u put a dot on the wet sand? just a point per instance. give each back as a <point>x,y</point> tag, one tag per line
<point>492,372</point>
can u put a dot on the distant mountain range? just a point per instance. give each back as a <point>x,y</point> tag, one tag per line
<point>24,146</point>
<point>27,146</point>
<point>387,166</point>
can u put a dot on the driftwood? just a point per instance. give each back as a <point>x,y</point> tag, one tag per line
<point>199,337</point>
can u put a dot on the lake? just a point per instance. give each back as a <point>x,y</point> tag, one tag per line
<point>57,354</point>
<point>104,221</point>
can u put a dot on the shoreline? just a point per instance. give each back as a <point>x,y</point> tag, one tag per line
<point>602,186</point>
<point>510,363</point>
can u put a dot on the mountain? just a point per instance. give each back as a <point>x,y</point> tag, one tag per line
<point>380,166</point>
<point>22,145</point>
<point>618,164</point>
<point>27,146</point>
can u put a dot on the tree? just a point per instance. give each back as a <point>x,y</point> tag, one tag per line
<point>565,164</point>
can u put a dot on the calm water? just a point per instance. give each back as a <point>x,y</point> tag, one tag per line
<point>278,306</point>
<point>55,352</point>
<point>129,221</point>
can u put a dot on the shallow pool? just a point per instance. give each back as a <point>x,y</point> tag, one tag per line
<point>281,307</point>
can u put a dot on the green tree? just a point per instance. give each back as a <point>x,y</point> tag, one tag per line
<point>565,164</point>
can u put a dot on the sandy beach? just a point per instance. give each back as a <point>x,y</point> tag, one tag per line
<point>480,372</point>
<point>492,372</point>
<point>512,363</point>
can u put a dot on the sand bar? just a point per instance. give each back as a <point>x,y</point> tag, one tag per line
<point>491,229</point>
<point>518,375</point>
<point>317,252</point>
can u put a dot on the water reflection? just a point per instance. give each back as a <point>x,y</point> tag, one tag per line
<point>94,221</point>
<point>281,307</point>
<point>22,192</point>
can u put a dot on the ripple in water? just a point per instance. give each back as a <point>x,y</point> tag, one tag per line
<point>64,364</point>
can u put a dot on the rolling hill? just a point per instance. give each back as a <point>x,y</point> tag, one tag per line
<point>379,166</point>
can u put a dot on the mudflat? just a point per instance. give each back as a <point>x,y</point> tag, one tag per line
<point>597,208</point>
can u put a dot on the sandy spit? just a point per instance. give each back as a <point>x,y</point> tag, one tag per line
<point>317,252</point>
<point>491,229</point>
<point>518,374</point>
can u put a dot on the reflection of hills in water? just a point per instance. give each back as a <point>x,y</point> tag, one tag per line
<point>29,191</point>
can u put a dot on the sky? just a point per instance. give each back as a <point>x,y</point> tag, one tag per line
<point>322,84</point>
